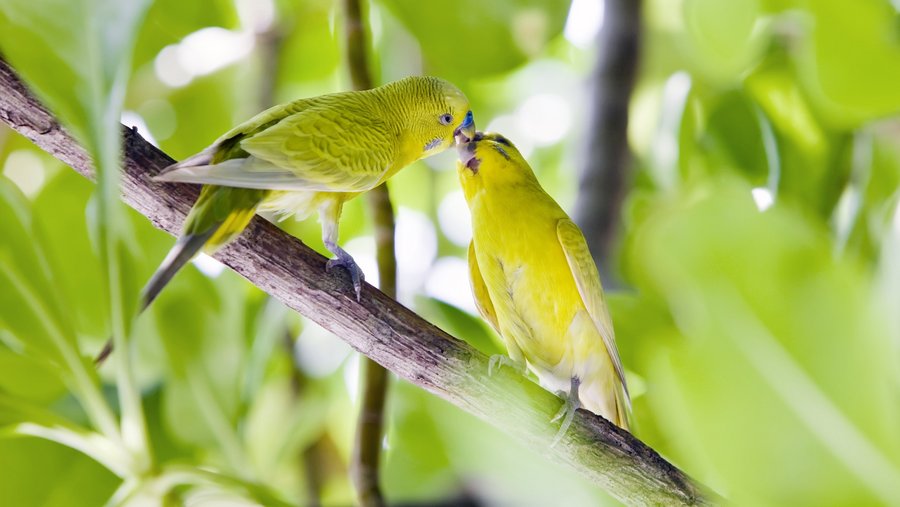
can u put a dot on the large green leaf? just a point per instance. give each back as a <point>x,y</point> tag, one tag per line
<point>29,305</point>
<point>38,472</point>
<point>723,36</point>
<point>60,210</point>
<point>34,321</point>
<point>851,65</point>
<point>77,59</point>
<point>781,389</point>
<point>462,38</point>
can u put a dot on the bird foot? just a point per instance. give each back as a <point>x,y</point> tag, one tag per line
<point>356,274</point>
<point>499,360</point>
<point>567,411</point>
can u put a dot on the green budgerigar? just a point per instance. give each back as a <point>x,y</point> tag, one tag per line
<point>311,155</point>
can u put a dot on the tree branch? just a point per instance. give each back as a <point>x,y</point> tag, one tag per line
<point>603,179</point>
<point>378,326</point>
<point>370,424</point>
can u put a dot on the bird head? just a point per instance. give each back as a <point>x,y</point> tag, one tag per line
<point>488,148</point>
<point>438,113</point>
<point>491,159</point>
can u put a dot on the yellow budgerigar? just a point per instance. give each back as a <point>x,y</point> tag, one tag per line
<point>535,282</point>
<point>311,155</point>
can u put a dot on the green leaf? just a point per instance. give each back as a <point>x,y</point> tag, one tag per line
<point>851,68</point>
<point>724,36</point>
<point>28,307</point>
<point>78,61</point>
<point>204,346</point>
<point>30,310</point>
<point>463,38</point>
<point>38,472</point>
<point>60,212</point>
<point>29,377</point>
<point>781,345</point>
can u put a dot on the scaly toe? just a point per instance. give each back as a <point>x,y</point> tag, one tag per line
<point>356,274</point>
<point>499,360</point>
<point>358,278</point>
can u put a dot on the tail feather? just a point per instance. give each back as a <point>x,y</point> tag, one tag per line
<point>200,159</point>
<point>623,409</point>
<point>184,250</point>
<point>603,394</point>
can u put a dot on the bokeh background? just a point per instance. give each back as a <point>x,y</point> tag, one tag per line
<point>754,277</point>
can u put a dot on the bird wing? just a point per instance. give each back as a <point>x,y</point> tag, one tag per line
<point>587,279</point>
<point>320,148</point>
<point>480,292</point>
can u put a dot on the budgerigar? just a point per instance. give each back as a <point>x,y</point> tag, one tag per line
<point>535,282</point>
<point>311,155</point>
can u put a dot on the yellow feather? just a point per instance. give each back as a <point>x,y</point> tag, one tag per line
<point>236,222</point>
<point>535,281</point>
<point>480,291</point>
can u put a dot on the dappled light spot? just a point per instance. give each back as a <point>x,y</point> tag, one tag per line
<point>763,198</point>
<point>529,30</point>
<point>208,266</point>
<point>416,248</point>
<point>545,118</point>
<point>351,376</point>
<point>318,352</point>
<point>454,218</point>
<point>513,128</point>
<point>256,15</point>
<point>449,282</point>
<point>362,249</point>
<point>26,170</point>
<point>584,22</point>
<point>200,53</point>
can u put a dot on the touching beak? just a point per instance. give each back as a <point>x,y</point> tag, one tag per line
<point>466,152</point>
<point>466,131</point>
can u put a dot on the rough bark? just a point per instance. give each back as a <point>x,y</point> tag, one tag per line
<point>378,326</point>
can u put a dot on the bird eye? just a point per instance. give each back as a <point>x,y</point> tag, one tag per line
<point>446,119</point>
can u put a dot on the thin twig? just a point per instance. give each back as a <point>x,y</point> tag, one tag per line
<point>377,326</point>
<point>604,174</point>
<point>369,427</point>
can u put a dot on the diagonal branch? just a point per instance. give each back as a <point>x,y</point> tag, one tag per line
<point>378,326</point>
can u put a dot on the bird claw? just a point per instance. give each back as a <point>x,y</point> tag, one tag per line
<point>567,411</point>
<point>356,274</point>
<point>499,360</point>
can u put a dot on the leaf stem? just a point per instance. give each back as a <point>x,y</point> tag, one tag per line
<point>364,468</point>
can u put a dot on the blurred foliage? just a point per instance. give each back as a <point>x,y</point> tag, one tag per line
<point>760,247</point>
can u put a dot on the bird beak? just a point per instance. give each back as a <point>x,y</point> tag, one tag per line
<point>466,151</point>
<point>466,131</point>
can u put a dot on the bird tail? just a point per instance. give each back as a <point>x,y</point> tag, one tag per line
<point>184,250</point>
<point>623,408</point>
<point>603,393</point>
<point>219,215</point>
<point>200,159</point>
